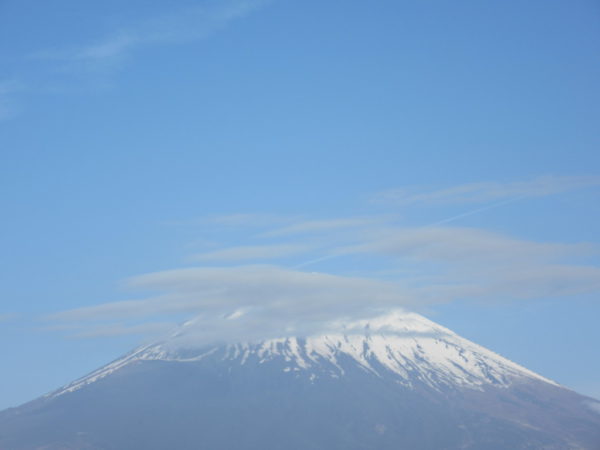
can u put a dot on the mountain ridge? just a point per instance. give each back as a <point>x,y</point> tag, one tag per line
<point>396,381</point>
<point>399,341</point>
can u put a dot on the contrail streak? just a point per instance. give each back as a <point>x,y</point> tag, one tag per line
<point>314,261</point>
<point>475,211</point>
<point>441,222</point>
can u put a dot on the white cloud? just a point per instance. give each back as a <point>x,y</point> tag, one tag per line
<point>6,317</point>
<point>443,265</point>
<point>253,252</point>
<point>243,220</point>
<point>121,329</point>
<point>487,191</point>
<point>272,299</point>
<point>312,226</point>
<point>7,106</point>
<point>462,245</point>
<point>499,285</point>
<point>112,47</point>
<point>91,64</point>
<point>185,25</point>
<point>410,267</point>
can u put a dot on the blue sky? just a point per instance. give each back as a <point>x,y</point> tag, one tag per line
<point>346,157</point>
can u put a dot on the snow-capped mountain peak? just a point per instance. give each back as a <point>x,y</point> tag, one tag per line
<point>395,381</point>
<point>403,345</point>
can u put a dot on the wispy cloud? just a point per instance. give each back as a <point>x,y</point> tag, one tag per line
<point>92,64</point>
<point>445,264</point>
<point>241,220</point>
<point>433,265</point>
<point>276,298</point>
<point>122,329</point>
<point>312,226</point>
<point>8,88</point>
<point>409,267</point>
<point>6,317</point>
<point>251,252</point>
<point>185,25</point>
<point>463,245</point>
<point>487,191</point>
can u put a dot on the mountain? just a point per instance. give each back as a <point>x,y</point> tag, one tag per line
<point>396,382</point>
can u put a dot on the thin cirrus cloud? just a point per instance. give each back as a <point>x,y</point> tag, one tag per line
<point>72,67</point>
<point>316,226</point>
<point>457,263</point>
<point>410,267</point>
<point>185,25</point>
<point>8,88</point>
<point>242,220</point>
<point>120,329</point>
<point>445,264</point>
<point>251,252</point>
<point>467,246</point>
<point>264,300</point>
<point>7,317</point>
<point>487,191</point>
<point>502,284</point>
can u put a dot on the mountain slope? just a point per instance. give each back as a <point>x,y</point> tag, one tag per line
<point>400,381</point>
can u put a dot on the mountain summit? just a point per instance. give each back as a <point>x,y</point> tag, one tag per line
<point>394,382</point>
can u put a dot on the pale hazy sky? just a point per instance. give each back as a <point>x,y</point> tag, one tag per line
<point>293,162</point>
